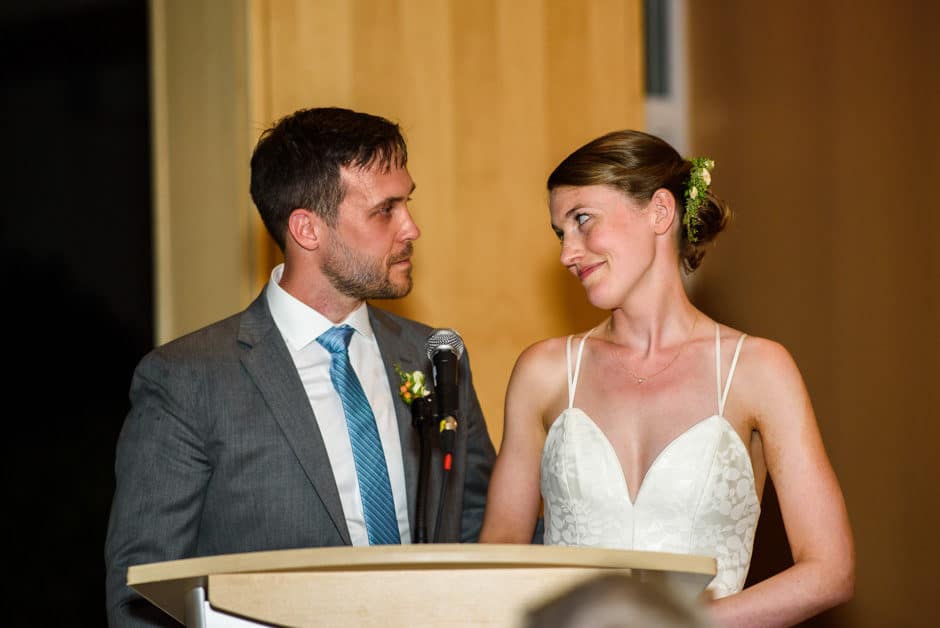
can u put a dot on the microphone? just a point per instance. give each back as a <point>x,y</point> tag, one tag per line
<point>444,348</point>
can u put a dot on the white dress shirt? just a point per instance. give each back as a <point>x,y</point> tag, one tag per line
<point>300,325</point>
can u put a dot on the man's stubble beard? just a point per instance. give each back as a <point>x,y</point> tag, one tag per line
<point>362,279</point>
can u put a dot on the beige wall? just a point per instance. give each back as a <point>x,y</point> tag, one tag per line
<point>490,96</point>
<point>822,117</point>
<point>204,225</point>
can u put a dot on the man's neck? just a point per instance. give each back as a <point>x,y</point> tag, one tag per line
<point>318,293</point>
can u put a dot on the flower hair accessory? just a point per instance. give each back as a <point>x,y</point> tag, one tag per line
<point>412,385</point>
<point>695,194</point>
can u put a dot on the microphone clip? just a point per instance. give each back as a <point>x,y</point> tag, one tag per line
<point>448,435</point>
<point>422,410</point>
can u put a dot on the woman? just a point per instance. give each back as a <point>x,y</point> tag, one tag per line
<point>607,426</point>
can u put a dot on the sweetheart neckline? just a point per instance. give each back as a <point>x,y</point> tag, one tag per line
<point>633,498</point>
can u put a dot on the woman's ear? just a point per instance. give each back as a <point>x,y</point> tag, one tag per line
<point>663,209</point>
<point>305,228</point>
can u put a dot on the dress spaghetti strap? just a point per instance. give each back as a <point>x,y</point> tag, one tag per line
<point>573,378</point>
<point>723,396</point>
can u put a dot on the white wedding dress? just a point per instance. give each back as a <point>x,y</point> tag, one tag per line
<point>698,497</point>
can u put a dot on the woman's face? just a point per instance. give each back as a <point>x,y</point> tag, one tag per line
<point>607,240</point>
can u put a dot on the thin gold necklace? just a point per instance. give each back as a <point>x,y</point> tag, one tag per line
<point>637,379</point>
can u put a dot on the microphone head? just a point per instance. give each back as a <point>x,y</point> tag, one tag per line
<point>444,340</point>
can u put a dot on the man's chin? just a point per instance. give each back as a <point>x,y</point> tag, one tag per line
<point>401,285</point>
<point>393,290</point>
<point>401,290</point>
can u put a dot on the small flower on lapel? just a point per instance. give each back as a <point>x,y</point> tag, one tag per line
<point>412,385</point>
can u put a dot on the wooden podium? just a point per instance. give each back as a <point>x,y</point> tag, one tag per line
<point>388,586</point>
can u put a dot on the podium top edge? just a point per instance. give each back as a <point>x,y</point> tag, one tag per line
<point>429,556</point>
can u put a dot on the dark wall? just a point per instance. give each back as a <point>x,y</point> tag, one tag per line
<point>77,279</point>
<point>825,135</point>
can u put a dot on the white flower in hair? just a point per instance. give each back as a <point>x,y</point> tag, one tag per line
<point>699,180</point>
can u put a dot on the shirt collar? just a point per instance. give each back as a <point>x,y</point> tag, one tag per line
<point>299,323</point>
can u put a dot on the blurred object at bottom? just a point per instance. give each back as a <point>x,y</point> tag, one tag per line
<point>617,601</point>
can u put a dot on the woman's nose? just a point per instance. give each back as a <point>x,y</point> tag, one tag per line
<point>570,252</point>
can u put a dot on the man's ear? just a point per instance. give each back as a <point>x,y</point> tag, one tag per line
<point>663,209</point>
<point>305,228</point>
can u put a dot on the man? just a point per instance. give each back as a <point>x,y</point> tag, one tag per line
<point>282,426</point>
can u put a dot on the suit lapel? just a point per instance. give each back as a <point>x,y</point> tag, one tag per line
<point>270,366</point>
<point>395,350</point>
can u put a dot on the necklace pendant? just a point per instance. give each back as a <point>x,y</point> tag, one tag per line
<point>638,380</point>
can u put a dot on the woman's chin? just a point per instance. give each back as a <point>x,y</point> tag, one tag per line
<point>601,300</point>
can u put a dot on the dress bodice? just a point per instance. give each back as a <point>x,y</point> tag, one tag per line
<point>698,496</point>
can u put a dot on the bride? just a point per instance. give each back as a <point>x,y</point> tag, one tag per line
<point>656,429</point>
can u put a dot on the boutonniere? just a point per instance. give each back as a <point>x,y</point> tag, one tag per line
<point>412,385</point>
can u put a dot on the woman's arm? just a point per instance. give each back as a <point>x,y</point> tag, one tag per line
<point>811,501</point>
<point>514,498</point>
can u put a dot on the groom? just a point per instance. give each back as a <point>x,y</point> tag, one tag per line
<point>282,426</point>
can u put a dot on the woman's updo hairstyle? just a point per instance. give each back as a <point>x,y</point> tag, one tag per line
<point>638,164</point>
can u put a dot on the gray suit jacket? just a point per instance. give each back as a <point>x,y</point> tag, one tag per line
<point>220,453</point>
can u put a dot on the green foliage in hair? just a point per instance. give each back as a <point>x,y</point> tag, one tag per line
<point>696,193</point>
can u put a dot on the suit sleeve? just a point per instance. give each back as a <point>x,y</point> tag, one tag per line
<point>480,457</point>
<point>161,471</point>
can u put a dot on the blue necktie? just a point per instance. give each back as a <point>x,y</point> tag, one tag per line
<point>374,486</point>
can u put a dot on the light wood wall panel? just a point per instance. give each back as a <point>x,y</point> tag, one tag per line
<point>204,223</point>
<point>490,95</point>
<point>822,119</point>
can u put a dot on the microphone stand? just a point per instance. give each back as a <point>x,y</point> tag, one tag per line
<point>422,411</point>
<point>448,434</point>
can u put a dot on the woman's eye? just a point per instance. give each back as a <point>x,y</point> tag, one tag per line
<point>581,218</point>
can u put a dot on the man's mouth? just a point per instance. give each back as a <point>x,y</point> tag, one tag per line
<point>404,256</point>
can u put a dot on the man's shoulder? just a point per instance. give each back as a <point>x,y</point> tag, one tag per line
<point>219,337</point>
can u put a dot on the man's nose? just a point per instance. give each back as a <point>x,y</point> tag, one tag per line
<point>410,230</point>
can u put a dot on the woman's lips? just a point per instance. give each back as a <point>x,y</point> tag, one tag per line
<point>587,270</point>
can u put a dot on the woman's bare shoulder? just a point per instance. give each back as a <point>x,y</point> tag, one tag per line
<point>766,375</point>
<point>545,352</point>
<point>765,358</point>
<point>542,366</point>
<point>539,358</point>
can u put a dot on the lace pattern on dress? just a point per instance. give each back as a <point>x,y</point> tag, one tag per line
<point>698,496</point>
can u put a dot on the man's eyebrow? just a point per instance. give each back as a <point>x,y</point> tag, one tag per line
<point>396,198</point>
<point>401,198</point>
